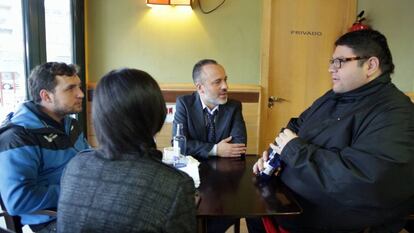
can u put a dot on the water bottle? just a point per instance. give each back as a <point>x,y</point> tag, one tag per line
<point>180,146</point>
<point>271,165</point>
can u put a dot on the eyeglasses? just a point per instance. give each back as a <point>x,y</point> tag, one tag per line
<point>337,62</point>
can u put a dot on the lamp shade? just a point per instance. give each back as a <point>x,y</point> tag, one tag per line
<point>159,2</point>
<point>170,2</point>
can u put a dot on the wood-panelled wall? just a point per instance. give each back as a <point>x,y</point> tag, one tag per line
<point>249,95</point>
<point>297,42</point>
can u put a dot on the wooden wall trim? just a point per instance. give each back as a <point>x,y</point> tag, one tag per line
<point>245,93</point>
<point>411,95</point>
<point>244,97</point>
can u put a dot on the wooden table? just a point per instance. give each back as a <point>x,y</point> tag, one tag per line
<point>229,188</point>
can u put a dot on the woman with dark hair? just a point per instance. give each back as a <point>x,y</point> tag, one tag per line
<point>123,186</point>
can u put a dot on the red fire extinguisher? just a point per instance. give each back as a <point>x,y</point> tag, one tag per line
<point>358,25</point>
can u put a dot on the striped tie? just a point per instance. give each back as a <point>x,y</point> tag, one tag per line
<point>211,127</point>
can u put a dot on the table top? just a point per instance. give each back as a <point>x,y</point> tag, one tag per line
<point>229,188</point>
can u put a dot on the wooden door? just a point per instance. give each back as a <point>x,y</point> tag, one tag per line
<point>297,43</point>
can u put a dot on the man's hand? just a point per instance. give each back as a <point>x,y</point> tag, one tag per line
<point>227,149</point>
<point>259,165</point>
<point>282,139</point>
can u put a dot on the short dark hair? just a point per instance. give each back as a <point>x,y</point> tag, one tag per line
<point>128,109</point>
<point>44,77</point>
<point>198,66</point>
<point>369,43</point>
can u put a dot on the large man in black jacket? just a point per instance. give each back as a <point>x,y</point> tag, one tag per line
<point>350,156</point>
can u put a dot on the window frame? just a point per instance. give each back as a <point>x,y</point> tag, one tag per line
<point>34,36</point>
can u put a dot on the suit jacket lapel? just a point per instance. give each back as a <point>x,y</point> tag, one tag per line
<point>199,121</point>
<point>221,121</point>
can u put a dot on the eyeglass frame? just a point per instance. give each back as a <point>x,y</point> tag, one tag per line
<point>337,62</point>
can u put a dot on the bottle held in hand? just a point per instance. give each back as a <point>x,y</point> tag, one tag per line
<point>271,165</point>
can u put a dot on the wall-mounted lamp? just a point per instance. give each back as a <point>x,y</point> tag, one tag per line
<point>170,2</point>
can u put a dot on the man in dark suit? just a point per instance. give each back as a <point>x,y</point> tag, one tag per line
<point>212,123</point>
<point>214,126</point>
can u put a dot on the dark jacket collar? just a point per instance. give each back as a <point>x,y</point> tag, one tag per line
<point>363,91</point>
<point>36,109</point>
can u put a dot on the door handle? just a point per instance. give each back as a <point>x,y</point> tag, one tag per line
<point>272,100</point>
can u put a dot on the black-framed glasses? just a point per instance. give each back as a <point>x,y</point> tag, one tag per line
<point>337,62</point>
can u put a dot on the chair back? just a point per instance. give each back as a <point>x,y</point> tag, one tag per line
<point>4,230</point>
<point>13,223</point>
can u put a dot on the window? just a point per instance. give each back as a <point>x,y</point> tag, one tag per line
<point>31,33</point>
<point>12,64</point>
<point>58,23</point>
